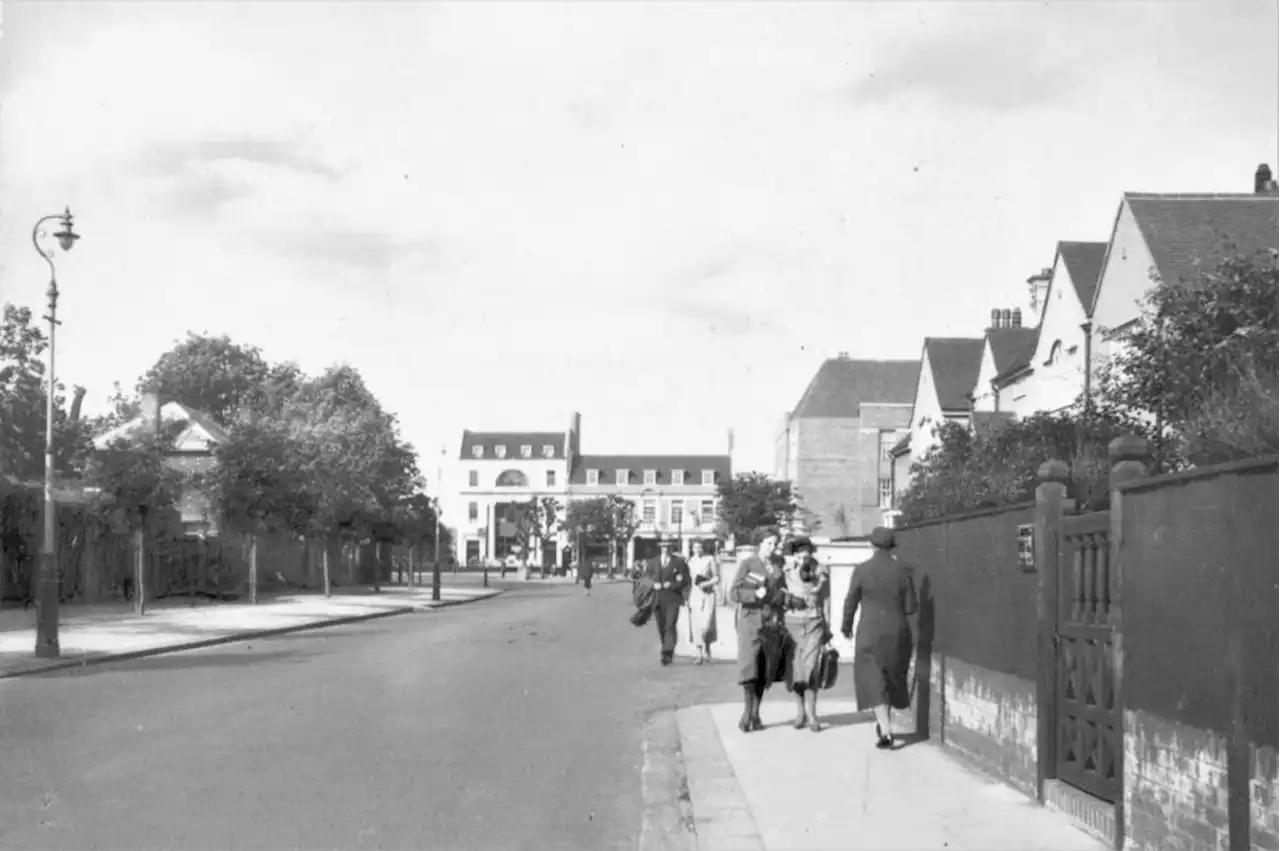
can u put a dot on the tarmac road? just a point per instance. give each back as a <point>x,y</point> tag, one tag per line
<point>519,722</point>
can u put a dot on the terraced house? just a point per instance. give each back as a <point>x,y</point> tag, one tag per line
<point>674,495</point>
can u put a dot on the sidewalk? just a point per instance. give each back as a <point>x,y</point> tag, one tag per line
<point>783,789</point>
<point>110,632</point>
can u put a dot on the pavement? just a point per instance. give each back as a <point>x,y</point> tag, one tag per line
<point>782,789</point>
<point>96,633</point>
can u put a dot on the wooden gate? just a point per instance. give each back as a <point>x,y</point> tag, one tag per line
<point>1089,726</point>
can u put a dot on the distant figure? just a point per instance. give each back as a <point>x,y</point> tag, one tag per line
<point>670,577</point>
<point>584,572</point>
<point>705,573</point>
<point>882,654</point>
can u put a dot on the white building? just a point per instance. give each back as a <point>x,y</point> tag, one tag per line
<point>674,495</point>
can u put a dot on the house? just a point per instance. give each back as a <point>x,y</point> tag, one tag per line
<point>1006,347</point>
<point>674,495</point>
<point>1175,238</point>
<point>1051,374</point>
<point>944,386</point>
<point>192,451</point>
<point>834,445</point>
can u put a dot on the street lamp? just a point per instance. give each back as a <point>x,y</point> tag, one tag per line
<point>49,585</point>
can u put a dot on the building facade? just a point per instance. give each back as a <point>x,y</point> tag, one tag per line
<point>834,446</point>
<point>675,496</point>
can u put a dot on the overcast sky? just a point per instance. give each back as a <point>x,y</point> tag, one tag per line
<point>663,215</point>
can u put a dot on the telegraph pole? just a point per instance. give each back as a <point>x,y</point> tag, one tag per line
<point>435,562</point>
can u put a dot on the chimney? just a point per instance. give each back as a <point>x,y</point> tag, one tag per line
<point>572,438</point>
<point>1017,317</point>
<point>76,402</point>
<point>995,318</point>
<point>842,355</point>
<point>1006,318</point>
<point>149,407</point>
<point>730,441</point>
<point>1262,182</point>
<point>1038,285</point>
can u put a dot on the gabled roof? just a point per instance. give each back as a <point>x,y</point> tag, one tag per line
<point>1011,348</point>
<point>692,465</point>
<point>489,441</point>
<point>842,384</point>
<point>955,362</point>
<point>170,412</point>
<point>1189,235</point>
<point>1084,263</point>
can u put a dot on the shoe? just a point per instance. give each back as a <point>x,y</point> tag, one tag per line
<point>798,723</point>
<point>744,724</point>
<point>815,726</point>
<point>757,724</point>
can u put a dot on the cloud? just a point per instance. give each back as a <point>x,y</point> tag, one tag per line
<point>996,71</point>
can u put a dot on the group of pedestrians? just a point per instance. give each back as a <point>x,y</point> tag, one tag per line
<point>782,595</point>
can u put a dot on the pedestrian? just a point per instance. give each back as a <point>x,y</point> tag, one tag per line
<point>885,590</point>
<point>759,589</point>
<point>705,573</point>
<point>585,572</point>
<point>808,587</point>
<point>670,576</point>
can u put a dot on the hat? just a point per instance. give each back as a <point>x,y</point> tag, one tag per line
<point>882,538</point>
<point>799,544</point>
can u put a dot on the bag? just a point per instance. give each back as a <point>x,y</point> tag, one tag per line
<point>828,667</point>
<point>641,616</point>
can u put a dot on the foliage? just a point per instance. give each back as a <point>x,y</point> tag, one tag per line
<point>214,375</point>
<point>971,469</point>
<point>602,519</point>
<point>753,502</point>
<point>1200,365</point>
<point>136,482</point>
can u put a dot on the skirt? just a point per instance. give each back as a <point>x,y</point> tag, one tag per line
<point>806,637</point>
<point>749,623</point>
<point>702,616</point>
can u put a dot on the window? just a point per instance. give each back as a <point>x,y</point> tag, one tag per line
<point>622,477</point>
<point>677,513</point>
<point>887,443</point>
<point>551,478</point>
<point>526,451</point>
<point>477,452</point>
<point>886,492</point>
<point>650,477</point>
<point>473,479</point>
<point>500,451</point>
<point>708,511</point>
<point>548,451</point>
<point>677,477</point>
<point>708,477</point>
<point>593,477</point>
<point>649,513</point>
<point>473,511</point>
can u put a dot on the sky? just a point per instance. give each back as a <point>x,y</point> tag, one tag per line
<point>664,216</point>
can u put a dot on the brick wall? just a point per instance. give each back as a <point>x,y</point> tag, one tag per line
<point>987,716</point>
<point>826,469</point>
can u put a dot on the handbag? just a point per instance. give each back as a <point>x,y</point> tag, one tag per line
<point>828,667</point>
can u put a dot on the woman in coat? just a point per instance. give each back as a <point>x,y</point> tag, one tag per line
<point>885,590</point>
<point>759,589</point>
<point>705,572</point>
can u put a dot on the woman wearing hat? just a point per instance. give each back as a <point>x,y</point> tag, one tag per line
<point>885,590</point>
<point>759,589</point>
<point>809,586</point>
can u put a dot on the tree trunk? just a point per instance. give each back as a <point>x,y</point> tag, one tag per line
<point>413,566</point>
<point>139,572</point>
<point>202,563</point>
<point>253,569</point>
<point>324,560</point>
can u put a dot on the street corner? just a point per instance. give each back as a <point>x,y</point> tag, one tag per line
<point>721,815</point>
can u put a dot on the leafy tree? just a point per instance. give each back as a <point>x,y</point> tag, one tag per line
<point>539,519</point>
<point>1200,365</point>
<point>214,375</point>
<point>602,520</point>
<point>753,501</point>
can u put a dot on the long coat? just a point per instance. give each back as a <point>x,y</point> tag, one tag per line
<point>886,592</point>
<point>761,638</point>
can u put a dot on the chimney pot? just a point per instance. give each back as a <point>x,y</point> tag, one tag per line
<point>1017,317</point>
<point>843,355</point>
<point>1262,179</point>
<point>1006,318</point>
<point>995,317</point>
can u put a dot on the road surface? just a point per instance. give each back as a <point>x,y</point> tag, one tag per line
<point>519,722</point>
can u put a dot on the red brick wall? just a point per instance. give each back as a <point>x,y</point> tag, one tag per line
<point>987,716</point>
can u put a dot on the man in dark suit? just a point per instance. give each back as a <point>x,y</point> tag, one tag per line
<point>670,577</point>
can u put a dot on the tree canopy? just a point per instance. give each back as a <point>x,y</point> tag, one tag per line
<point>753,502</point>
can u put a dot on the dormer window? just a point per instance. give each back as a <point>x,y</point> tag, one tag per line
<point>500,451</point>
<point>477,451</point>
<point>526,451</point>
<point>622,477</point>
<point>650,477</point>
<point>708,477</point>
<point>677,477</point>
<point>593,477</point>
<point>548,451</point>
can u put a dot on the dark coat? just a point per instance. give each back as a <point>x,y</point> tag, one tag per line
<point>762,640</point>
<point>676,572</point>
<point>885,590</point>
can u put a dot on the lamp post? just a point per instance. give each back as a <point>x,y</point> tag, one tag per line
<point>435,562</point>
<point>49,584</point>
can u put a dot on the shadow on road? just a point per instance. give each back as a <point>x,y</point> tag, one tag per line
<point>240,656</point>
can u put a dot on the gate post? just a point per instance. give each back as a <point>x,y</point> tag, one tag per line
<point>1050,495</point>
<point>1130,459</point>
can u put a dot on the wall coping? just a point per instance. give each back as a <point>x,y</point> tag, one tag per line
<point>968,515</point>
<point>1247,465</point>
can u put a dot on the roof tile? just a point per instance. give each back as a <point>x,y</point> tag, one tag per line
<point>955,362</point>
<point>841,385</point>
<point>1084,263</point>
<point>489,441</point>
<point>1191,234</point>
<point>692,465</point>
